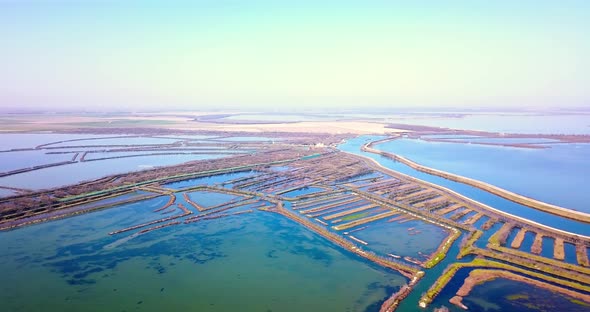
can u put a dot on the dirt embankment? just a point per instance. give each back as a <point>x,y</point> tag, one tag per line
<point>480,276</point>
<point>523,200</point>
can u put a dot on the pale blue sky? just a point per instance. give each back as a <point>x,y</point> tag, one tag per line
<point>269,54</point>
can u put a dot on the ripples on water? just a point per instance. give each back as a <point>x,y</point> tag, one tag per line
<point>255,262</point>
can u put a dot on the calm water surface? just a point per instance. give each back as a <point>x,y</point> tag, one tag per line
<point>557,175</point>
<point>255,262</point>
<point>354,146</point>
<point>62,175</point>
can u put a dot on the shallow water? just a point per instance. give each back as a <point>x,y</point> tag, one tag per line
<point>505,123</point>
<point>255,262</point>
<point>208,199</point>
<point>557,175</point>
<point>62,175</point>
<point>302,191</point>
<point>31,140</point>
<point>354,145</point>
<point>249,139</point>
<point>25,159</point>
<point>5,192</point>
<point>209,180</point>
<point>119,141</point>
<point>508,295</point>
<point>413,238</point>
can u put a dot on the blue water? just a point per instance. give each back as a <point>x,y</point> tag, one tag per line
<point>209,180</point>
<point>63,175</point>
<point>119,141</point>
<point>31,140</point>
<point>397,238</point>
<point>249,139</point>
<point>570,253</point>
<point>302,191</point>
<point>548,247</point>
<point>91,156</point>
<point>506,123</point>
<point>505,295</point>
<point>354,145</point>
<point>557,175</point>
<point>527,243</point>
<point>5,192</point>
<point>25,159</point>
<point>254,262</point>
<point>208,199</point>
<point>477,139</point>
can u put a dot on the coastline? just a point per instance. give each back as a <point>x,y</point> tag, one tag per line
<point>517,198</point>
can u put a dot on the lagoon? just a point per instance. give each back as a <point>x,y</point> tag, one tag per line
<point>354,146</point>
<point>254,262</point>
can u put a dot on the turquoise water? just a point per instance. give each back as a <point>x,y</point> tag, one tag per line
<point>557,175</point>
<point>253,262</point>
<point>302,191</point>
<point>208,199</point>
<point>354,145</point>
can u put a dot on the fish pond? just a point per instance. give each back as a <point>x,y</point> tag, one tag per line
<point>255,262</point>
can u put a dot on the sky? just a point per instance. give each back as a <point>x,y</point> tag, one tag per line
<point>218,54</point>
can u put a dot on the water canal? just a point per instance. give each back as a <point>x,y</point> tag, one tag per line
<point>354,146</point>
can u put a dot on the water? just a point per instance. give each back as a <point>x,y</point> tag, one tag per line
<point>30,140</point>
<point>62,175</point>
<point>54,151</point>
<point>414,238</point>
<point>249,139</point>
<point>354,145</point>
<point>208,199</point>
<point>209,180</point>
<point>508,295</point>
<point>557,175</point>
<point>25,159</point>
<point>504,123</point>
<point>254,262</point>
<point>302,191</point>
<point>118,141</point>
<point>477,139</point>
<point>168,153</point>
<point>5,192</point>
<point>277,117</point>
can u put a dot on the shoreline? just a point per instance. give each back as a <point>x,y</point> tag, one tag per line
<point>517,198</point>
<point>482,276</point>
<point>463,197</point>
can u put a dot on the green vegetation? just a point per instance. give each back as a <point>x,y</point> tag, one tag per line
<point>450,271</point>
<point>466,247</point>
<point>442,250</point>
<point>580,302</point>
<point>517,297</point>
<point>355,216</point>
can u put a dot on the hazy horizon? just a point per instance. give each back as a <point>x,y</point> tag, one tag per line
<point>264,55</point>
